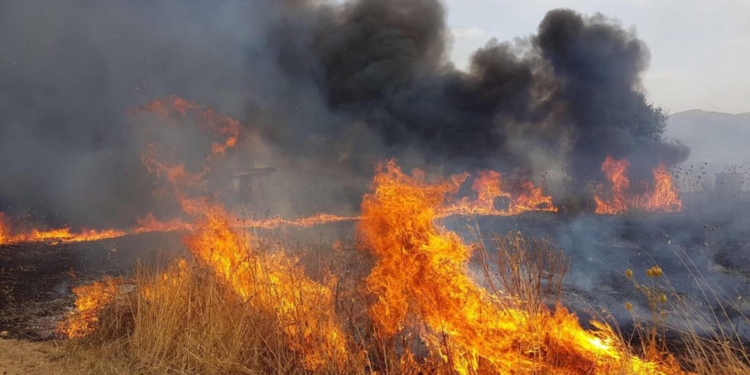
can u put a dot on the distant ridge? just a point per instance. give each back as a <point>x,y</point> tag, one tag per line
<point>699,113</point>
<point>714,137</point>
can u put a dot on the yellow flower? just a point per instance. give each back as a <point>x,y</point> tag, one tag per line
<point>629,273</point>
<point>629,306</point>
<point>654,271</point>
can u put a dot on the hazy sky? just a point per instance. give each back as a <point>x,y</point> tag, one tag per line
<point>700,50</point>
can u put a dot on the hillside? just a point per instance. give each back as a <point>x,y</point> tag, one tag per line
<point>714,137</point>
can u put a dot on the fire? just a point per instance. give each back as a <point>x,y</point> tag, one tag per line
<point>5,236</point>
<point>174,109</point>
<point>149,224</point>
<point>665,194</point>
<point>270,281</point>
<point>61,235</point>
<point>90,301</point>
<point>169,279</point>
<point>171,109</point>
<point>304,222</point>
<point>421,273</point>
<point>489,189</point>
<point>662,196</point>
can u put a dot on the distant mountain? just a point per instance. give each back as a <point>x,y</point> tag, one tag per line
<point>713,137</point>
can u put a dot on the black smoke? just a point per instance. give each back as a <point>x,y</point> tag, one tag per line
<point>331,88</point>
<point>598,65</point>
<point>574,89</point>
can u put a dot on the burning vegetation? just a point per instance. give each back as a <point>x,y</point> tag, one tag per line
<point>273,283</point>
<point>490,192</point>
<point>419,291</point>
<point>91,300</point>
<point>421,274</point>
<point>368,85</point>
<point>659,196</point>
<point>9,235</point>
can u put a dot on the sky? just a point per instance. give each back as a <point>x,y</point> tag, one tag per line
<point>700,50</point>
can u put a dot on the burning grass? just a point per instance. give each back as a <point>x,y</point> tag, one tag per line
<point>661,196</point>
<point>421,273</point>
<point>90,300</point>
<point>189,319</point>
<point>9,235</point>
<point>186,320</point>
<point>411,306</point>
<point>246,307</point>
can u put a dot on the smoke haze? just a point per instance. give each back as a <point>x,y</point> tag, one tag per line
<point>326,90</point>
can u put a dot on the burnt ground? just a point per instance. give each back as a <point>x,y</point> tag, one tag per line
<point>36,279</point>
<point>705,258</point>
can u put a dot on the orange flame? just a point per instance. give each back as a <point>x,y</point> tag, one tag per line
<point>60,235</point>
<point>5,236</point>
<point>488,185</point>
<point>663,196</point>
<point>150,224</point>
<point>272,282</point>
<point>90,301</point>
<point>489,189</point>
<point>304,222</point>
<point>421,273</point>
<point>174,108</point>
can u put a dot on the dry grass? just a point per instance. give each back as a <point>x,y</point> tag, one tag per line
<point>532,271</point>
<point>703,343</point>
<point>185,320</point>
<point>23,357</point>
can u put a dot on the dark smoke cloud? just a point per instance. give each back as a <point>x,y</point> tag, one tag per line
<point>598,65</point>
<point>331,88</point>
<point>576,84</point>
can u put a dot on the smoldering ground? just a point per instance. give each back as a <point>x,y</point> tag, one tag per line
<point>330,88</point>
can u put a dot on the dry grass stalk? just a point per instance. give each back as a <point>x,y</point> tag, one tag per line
<point>186,321</point>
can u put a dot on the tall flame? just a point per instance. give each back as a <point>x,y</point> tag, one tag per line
<point>421,273</point>
<point>272,282</point>
<point>421,270</point>
<point>662,196</point>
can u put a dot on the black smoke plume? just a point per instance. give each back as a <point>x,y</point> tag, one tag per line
<point>331,88</point>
